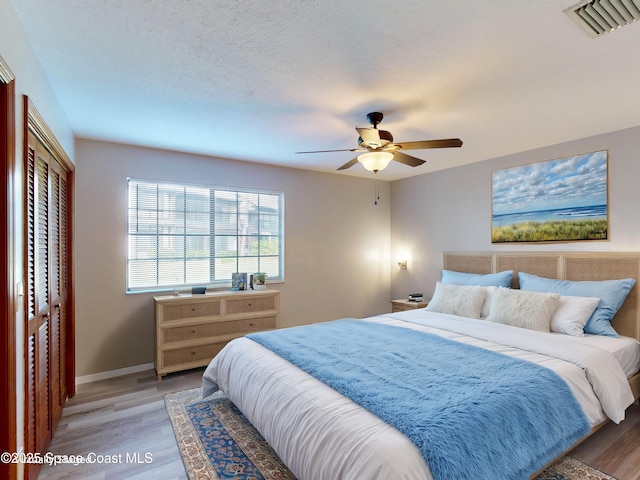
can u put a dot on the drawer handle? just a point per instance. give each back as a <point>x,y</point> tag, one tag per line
<point>193,353</point>
<point>249,304</point>
<point>193,309</point>
<point>193,331</point>
<point>251,324</point>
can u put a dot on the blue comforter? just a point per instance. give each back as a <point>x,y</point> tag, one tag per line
<point>473,413</point>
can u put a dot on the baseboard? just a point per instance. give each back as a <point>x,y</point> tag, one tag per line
<point>94,377</point>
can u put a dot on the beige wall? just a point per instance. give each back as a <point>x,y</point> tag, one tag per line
<point>336,245</point>
<point>451,209</point>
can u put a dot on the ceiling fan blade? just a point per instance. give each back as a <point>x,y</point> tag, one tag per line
<point>327,151</point>
<point>407,159</point>
<point>370,137</point>
<point>419,145</point>
<point>349,164</point>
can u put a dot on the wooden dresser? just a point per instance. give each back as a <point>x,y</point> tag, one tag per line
<point>191,329</point>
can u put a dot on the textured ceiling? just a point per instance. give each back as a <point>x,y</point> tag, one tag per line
<point>256,80</point>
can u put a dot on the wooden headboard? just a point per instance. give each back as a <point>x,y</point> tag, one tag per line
<point>562,266</point>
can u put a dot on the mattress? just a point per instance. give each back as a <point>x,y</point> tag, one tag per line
<point>320,434</point>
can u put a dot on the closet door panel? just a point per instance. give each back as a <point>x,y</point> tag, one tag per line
<point>57,244</point>
<point>31,321</point>
<point>63,301</point>
<point>42,289</point>
<point>46,289</point>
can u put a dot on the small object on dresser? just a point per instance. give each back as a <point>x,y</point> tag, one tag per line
<point>239,281</point>
<point>416,297</point>
<point>198,290</point>
<point>259,281</point>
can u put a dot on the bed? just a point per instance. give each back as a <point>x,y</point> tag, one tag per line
<point>320,433</point>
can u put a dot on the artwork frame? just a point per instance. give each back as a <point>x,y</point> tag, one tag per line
<point>239,281</point>
<point>561,200</point>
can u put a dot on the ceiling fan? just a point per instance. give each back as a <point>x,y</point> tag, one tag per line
<point>378,147</point>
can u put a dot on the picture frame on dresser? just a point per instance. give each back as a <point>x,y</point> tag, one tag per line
<point>239,281</point>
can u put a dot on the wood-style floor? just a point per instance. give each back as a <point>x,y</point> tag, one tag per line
<point>125,418</point>
<point>615,449</point>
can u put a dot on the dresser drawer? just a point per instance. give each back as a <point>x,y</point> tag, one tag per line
<point>187,355</point>
<point>172,313</point>
<point>250,305</point>
<point>247,325</point>
<point>205,330</point>
<point>179,334</point>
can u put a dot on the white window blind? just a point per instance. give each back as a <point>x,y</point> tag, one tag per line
<point>181,235</point>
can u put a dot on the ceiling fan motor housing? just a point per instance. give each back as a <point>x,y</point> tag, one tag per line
<point>374,118</point>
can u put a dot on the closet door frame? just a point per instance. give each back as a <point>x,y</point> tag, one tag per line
<point>8,379</point>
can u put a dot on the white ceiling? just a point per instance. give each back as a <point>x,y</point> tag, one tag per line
<point>259,80</point>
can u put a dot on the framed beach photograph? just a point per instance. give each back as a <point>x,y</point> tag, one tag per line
<point>564,200</point>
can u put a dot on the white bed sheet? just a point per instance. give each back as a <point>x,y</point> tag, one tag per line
<point>319,433</point>
<point>625,349</point>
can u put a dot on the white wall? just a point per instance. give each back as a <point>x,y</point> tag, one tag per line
<point>336,245</point>
<point>450,210</point>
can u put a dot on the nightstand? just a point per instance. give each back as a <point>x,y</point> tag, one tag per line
<point>403,305</point>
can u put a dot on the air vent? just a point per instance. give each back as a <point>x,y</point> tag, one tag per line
<point>597,17</point>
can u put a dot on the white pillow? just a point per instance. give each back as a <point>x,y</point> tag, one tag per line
<point>488,296</point>
<point>461,300</point>
<point>572,314</point>
<point>532,310</point>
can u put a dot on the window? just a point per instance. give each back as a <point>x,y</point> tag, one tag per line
<point>181,235</point>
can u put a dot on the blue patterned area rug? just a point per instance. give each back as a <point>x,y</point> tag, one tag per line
<point>568,468</point>
<point>217,442</point>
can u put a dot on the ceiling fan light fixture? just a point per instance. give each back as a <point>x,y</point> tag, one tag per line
<point>375,161</point>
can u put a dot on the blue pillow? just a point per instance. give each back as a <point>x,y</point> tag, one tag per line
<point>501,279</point>
<point>611,293</point>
